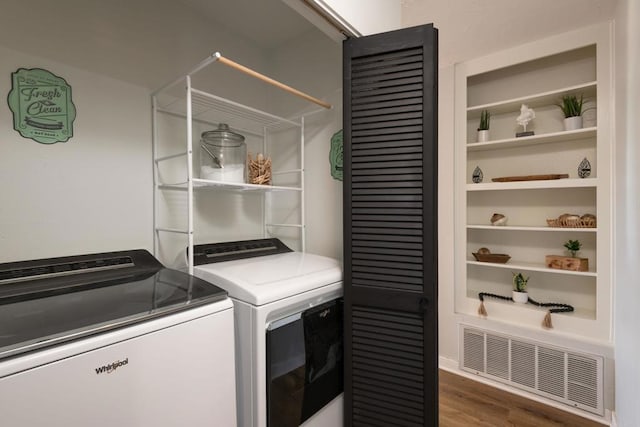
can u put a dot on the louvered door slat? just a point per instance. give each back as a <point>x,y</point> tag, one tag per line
<point>390,170</point>
<point>409,92</point>
<point>386,245</point>
<point>377,150</point>
<point>391,144</point>
<point>388,264</point>
<point>387,158</point>
<point>407,404</point>
<point>402,62</point>
<point>388,407</point>
<point>390,138</point>
<point>386,108</point>
<point>368,233</point>
<point>383,124</point>
<point>410,391</point>
<point>376,257</point>
<point>392,57</point>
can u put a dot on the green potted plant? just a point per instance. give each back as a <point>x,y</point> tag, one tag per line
<point>573,246</point>
<point>571,107</point>
<point>519,293</point>
<point>483,127</point>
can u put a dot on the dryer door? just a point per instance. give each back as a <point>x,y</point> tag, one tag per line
<point>304,364</point>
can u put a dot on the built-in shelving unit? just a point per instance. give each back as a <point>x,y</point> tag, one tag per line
<point>538,75</point>
<point>180,113</point>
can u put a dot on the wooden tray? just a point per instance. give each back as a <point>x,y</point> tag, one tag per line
<point>531,177</point>
<point>497,258</point>
<point>566,263</point>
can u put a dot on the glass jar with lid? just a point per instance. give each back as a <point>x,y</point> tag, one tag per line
<point>223,155</point>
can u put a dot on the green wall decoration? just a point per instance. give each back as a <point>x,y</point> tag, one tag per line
<point>41,105</point>
<point>335,155</point>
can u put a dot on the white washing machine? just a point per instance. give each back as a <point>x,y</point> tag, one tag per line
<point>288,318</point>
<point>113,339</point>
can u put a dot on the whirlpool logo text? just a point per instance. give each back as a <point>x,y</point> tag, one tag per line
<point>110,368</point>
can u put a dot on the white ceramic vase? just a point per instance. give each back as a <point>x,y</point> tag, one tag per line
<point>573,123</point>
<point>483,135</point>
<point>520,297</point>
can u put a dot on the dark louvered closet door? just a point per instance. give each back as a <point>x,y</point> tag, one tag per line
<point>390,229</point>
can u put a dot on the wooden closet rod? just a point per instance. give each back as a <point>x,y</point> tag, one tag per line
<point>269,80</point>
<point>218,57</point>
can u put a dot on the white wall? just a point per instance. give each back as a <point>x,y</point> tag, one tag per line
<point>90,194</point>
<point>312,63</point>
<point>627,190</point>
<point>94,193</point>
<point>447,319</point>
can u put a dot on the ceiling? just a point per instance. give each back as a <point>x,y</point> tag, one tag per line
<point>267,23</point>
<point>147,42</point>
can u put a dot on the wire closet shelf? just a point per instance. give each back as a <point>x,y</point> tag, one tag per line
<point>197,106</point>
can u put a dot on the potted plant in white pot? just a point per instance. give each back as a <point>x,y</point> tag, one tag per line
<point>519,293</point>
<point>571,107</point>
<point>483,127</point>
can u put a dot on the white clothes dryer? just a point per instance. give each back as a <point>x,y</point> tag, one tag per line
<point>288,320</point>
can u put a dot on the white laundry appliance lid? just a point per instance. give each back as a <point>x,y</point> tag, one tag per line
<point>49,301</point>
<point>264,279</point>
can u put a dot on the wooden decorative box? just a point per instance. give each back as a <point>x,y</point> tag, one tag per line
<point>567,263</point>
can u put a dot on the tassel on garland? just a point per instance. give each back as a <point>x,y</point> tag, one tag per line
<point>481,310</point>
<point>546,322</point>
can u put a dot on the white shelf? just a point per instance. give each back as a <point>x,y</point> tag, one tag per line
<point>533,101</point>
<point>213,110</point>
<point>172,230</point>
<point>532,185</point>
<point>530,266</point>
<point>547,138</point>
<point>285,225</point>
<point>531,228</point>
<point>513,307</point>
<point>205,183</point>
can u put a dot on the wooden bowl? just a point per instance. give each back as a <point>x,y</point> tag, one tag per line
<point>497,258</point>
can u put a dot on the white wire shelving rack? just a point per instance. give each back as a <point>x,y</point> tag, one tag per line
<point>197,106</point>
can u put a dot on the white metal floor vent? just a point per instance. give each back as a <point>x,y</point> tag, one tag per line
<point>573,378</point>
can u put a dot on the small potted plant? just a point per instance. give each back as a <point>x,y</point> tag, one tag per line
<point>573,246</point>
<point>519,293</point>
<point>571,107</point>
<point>483,127</point>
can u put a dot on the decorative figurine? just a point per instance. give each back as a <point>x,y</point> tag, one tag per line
<point>498,219</point>
<point>526,115</point>
<point>477,175</point>
<point>584,169</point>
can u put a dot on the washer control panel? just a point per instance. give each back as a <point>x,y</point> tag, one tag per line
<point>229,251</point>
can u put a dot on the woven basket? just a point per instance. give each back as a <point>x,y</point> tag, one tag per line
<point>572,223</point>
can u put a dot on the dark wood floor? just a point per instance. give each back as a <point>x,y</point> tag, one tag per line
<point>468,403</point>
